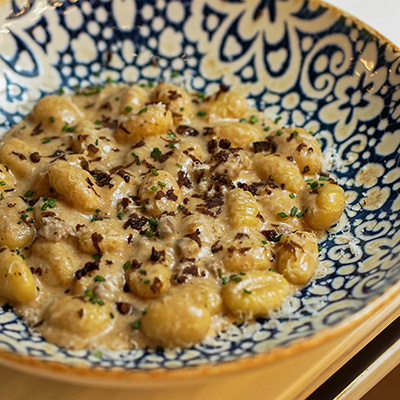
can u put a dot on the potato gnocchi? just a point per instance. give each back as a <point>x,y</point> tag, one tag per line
<point>147,215</point>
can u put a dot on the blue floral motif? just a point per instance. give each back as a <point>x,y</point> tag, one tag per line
<point>357,96</point>
<point>297,58</point>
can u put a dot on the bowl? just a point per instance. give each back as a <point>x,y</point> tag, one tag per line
<point>302,60</point>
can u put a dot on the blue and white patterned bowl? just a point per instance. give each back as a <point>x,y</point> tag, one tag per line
<point>304,61</point>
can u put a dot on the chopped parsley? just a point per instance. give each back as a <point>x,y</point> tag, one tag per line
<point>277,238</point>
<point>137,158</point>
<point>282,215</point>
<point>48,203</point>
<point>90,90</point>
<point>136,324</point>
<point>67,128</point>
<point>99,278</point>
<point>143,110</point>
<point>253,119</point>
<point>93,298</point>
<point>128,109</point>
<point>153,223</point>
<point>201,113</point>
<point>156,153</point>
<point>110,80</point>
<point>313,185</point>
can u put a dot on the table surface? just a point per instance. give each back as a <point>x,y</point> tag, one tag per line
<point>322,360</point>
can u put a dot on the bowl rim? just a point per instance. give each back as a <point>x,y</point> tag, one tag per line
<point>123,378</point>
<point>160,377</point>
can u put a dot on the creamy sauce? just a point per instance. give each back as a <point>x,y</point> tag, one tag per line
<point>151,216</point>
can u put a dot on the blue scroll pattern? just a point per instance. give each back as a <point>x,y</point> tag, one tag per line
<point>299,59</point>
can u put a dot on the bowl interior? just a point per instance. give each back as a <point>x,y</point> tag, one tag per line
<point>300,60</point>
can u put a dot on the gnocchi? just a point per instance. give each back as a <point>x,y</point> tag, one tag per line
<point>134,216</point>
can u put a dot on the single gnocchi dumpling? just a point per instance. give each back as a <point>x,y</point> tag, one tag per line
<point>224,104</point>
<point>59,261</point>
<point>297,257</point>
<point>102,236</point>
<point>152,120</point>
<point>150,280</point>
<point>55,112</point>
<point>21,158</point>
<point>243,209</point>
<point>16,280</point>
<point>326,206</point>
<point>176,99</point>
<point>75,185</point>
<point>175,321</point>
<point>281,170</point>
<point>248,254</point>
<point>83,316</point>
<point>160,193</point>
<point>16,225</point>
<point>302,146</point>
<point>204,291</point>
<point>255,294</point>
<point>7,180</point>
<point>240,134</point>
<point>133,100</point>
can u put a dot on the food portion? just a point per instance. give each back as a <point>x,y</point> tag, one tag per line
<point>147,215</point>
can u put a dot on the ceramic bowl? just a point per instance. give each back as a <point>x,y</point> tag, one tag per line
<point>301,60</point>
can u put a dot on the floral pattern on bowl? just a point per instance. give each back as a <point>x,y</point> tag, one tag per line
<point>302,61</point>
